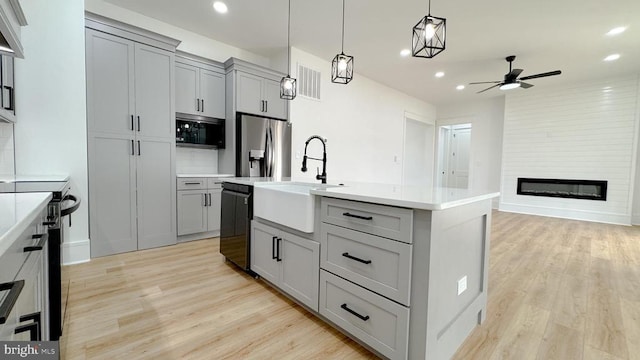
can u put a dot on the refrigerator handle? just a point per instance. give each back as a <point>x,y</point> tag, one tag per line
<point>270,152</point>
<point>266,153</point>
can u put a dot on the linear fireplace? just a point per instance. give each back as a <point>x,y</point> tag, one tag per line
<point>574,189</point>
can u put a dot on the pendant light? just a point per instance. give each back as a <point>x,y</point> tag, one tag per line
<point>428,36</point>
<point>288,84</point>
<point>342,65</point>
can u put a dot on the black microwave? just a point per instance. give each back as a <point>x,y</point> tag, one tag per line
<point>199,131</point>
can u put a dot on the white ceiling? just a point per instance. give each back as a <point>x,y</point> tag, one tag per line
<point>546,35</point>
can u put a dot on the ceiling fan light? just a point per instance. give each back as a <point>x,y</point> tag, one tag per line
<point>509,86</point>
<point>429,37</point>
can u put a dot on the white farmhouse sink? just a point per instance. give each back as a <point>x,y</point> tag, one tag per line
<point>286,203</point>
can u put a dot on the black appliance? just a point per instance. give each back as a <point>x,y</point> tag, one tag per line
<point>62,204</point>
<point>235,223</point>
<point>199,131</point>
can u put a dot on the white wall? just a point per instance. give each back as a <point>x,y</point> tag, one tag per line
<point>191,42</point>
<point>363,122</point>
<point>486,118</point>
<point>196,161</point>
<point>6,149</point>
<point>50,134</point>
<point>580,131</point>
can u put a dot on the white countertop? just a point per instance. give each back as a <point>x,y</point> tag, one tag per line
<point>33,178</point>
<point>17,211</point>
<point>204,175</point>
<point>413,197</point>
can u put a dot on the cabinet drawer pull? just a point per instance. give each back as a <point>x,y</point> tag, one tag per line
<point>273,248</point>
<point>358,216</point>
<point>202,105</point>
<point>209,199</point>
<point>131,122</point>
<point>192,183</point>
<point>33,328</point>
<point>363,318</point>
<point>41,243</point>
<point>138,123</point>
<point>355,258</point>
<point>15,288</point>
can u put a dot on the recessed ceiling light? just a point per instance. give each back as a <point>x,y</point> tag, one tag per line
<point>439,74</point>
<point>405,52</point>
<point>612,57</point>
<point>220,7</point>
<point>617,30</point>
<point>460,87</point>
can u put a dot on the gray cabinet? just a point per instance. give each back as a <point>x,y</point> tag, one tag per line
<point>260,96</point>
<point>199,206</point>
<point>11,20</point>
<point>7,89</point>
<point>131,144</point>
<point>200,86</point>
<point>288,261</point>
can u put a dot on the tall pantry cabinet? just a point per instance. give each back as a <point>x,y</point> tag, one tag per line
<point>131,140</point>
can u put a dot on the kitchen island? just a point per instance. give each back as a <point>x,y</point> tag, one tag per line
<point>403,270</point>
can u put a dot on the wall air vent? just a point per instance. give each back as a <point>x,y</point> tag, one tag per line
<point>308,82</point>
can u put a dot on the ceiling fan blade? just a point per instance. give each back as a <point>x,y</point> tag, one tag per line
<point>514,73</point>
<point>485,82</point>
<point>489,88</point>
<point>550,73</point>
<point>525,85</point>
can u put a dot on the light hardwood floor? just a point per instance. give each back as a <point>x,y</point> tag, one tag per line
<point>558,289</point>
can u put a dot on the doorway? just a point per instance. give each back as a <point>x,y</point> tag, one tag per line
<point>454,155</point>
<point>419,151</point>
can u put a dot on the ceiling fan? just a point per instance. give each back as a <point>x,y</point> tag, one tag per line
<point>511,80</point>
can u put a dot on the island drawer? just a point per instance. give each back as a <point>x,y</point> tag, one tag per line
<point>387,221</point>
<point>378,322</point>
<point>192,183</point>
<point>376,263</point>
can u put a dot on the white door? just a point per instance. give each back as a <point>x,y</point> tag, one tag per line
<point>459,158</point>
<point>418,156</point>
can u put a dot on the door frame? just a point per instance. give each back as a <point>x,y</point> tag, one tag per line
<point>423,119</point>
<point>441,157</point>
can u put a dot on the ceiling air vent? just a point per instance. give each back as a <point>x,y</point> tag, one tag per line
<point>308,82</point>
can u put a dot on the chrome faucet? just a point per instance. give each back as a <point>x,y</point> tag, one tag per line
<point>322,177</point>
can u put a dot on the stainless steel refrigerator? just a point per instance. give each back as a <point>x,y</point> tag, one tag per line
<point>263,147</point>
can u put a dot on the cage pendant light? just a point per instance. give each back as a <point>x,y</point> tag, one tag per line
<point>288,84</point>
<point>428,39</point>
<point>342,65</point>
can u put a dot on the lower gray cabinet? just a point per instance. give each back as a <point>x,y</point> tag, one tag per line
<point>288,261</point>
<point>199,205</point>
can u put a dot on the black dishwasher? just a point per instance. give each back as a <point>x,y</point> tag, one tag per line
<point>235,223</point>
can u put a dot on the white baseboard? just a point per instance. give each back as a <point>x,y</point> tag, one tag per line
<point>76,252</point>
<point>573,214</point>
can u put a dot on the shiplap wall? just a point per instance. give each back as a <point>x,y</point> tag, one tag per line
<point>585,131</point>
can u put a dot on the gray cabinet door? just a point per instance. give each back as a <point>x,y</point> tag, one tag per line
<point>110,89</point>
<point>112,200</point>
<point>300,269</point>
<point>275,106</point>
<point>154,89</point>
<point>156,193</point>
<point>192,213</point>
<point>263,252</point>
<point>249,93</point>
<point>187,88</point>
<point>212,93</point>
<point>214,210</point>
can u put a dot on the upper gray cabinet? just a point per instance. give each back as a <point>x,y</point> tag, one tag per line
<point>7,93</point>
<point>11,19</point>
<point>200,86</point>
<point>255,89</point>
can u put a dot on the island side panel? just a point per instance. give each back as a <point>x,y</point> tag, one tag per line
<point>457,245</point>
